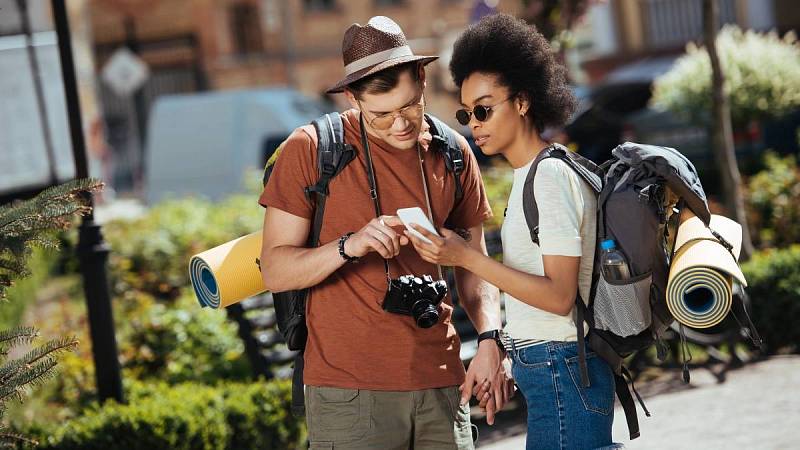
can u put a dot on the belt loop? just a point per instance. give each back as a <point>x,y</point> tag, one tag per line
<point>513,346</point>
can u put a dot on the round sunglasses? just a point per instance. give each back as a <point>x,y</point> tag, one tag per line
<point>482,113</point>
<point>412,113</point>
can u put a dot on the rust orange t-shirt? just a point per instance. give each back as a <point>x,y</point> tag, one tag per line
<point>352,341</point>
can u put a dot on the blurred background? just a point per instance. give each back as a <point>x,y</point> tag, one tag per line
<point>183,101</point>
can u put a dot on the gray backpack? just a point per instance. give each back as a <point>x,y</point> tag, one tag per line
<point>627,317</point>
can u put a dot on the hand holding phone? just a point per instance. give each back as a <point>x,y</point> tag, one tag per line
<point>416,216</point>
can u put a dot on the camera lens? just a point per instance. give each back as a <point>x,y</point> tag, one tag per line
<point>425,313</point>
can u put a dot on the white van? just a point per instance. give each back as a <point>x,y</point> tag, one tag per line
<point>202,144</point>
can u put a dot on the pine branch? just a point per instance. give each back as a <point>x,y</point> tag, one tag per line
<point>53,347</point>
<point>12,265</point>
<point>26,224</point>
<point>32,375</point>
<point>12,440</point>
<point>16,336</point>
<point>8,439</point>
<point>12,369</point>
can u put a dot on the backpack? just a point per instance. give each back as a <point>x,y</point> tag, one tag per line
<point>632,209</point>
<point>333,155</point>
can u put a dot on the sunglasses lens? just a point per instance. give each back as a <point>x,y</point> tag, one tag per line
<point>481,113</point>
<point>462,116</point>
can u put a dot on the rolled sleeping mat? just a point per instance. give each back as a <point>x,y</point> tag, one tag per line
<point>228,273</point>
<point>700,284</point>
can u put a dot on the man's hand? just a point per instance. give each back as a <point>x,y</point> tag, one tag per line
<point>488,398</point>
<point>484,367</point>
<point>377,236</point>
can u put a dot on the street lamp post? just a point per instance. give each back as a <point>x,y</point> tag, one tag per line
<point>92,248</point>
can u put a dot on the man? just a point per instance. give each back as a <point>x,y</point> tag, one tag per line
<point>375,379</point>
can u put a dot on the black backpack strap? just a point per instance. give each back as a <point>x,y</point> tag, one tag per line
<point>298,391</point>
<point>581,315</point>
<point>446,142</point>
<point>626,401</point>
<point>587,170</point>
<point>332,157</point>
<point>621,374</point>
<point>739,310</point>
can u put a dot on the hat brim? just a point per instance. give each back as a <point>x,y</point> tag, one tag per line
<point>355,76</point>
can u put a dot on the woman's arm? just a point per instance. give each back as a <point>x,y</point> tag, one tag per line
<point>553,292</point>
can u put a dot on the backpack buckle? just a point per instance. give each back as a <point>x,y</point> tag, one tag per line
<point>317,188</point>
<point>458,165</point>
<point>327,165</point>
<point>440,140</point>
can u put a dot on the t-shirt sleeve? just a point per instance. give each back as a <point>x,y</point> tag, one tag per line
<point>559,198</point>
<point>473,209</point>
<point>292,173</point>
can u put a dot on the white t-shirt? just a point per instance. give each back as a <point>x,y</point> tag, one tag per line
<point>567,227</point>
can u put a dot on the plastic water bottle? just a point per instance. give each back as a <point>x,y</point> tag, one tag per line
<point>615,267</point>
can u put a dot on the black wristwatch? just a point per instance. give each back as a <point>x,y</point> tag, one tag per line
<point>342,240</point>
<point>493,335</point>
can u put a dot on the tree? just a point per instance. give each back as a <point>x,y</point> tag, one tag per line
<point>762,78</point>
<point>553,18</point>
<point>722,130</point>
<point>23,226</point>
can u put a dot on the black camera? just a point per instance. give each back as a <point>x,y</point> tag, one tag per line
<point>416,297</point>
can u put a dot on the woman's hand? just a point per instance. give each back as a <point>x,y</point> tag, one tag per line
<point>449,249</point>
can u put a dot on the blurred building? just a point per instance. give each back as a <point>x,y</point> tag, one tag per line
<point>617,32</point>
<point>623,46</point>
<point>197,45</point>
<point>35,147</point>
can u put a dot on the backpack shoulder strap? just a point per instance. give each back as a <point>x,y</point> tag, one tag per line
<point>585,168</point>
<point>332,157</point>
<point>446,142</point>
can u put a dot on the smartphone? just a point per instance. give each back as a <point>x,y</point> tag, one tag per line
<point>416,216</point>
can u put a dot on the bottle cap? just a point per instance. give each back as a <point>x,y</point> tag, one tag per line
<point>608,244</point>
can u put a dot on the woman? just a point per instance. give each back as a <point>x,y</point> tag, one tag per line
<point>511,90</point>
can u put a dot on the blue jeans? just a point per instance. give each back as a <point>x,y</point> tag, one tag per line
<point>561,413</point>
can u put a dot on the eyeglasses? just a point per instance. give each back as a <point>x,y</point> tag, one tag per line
<point>412,113</point>
<point>482,113</point>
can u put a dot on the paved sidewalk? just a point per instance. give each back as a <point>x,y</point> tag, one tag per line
<point>758,407</point>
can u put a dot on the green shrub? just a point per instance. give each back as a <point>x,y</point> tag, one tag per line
<point>23,293</point>
<point>185,416</point>
<point>762,73</point>
<point>498,180</point>
<point>259,416</point>
<point>772,198</point>
<point>773,278</point>
<point>152,253</point>
<point>181,342</point>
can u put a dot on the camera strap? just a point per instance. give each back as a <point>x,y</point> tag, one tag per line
<point>427,196</point>
<point>373,187</point>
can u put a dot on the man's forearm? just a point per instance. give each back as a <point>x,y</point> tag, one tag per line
<point>287,268</point>
<point>480,300</point>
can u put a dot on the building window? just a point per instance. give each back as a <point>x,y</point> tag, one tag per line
<point>319,5</point>
<point>389,2</point>
<point>246,29</point>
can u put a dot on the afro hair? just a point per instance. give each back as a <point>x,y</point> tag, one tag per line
<point>522,60</point>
